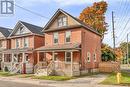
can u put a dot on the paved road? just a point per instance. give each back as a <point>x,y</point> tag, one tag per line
<point>16,84</point>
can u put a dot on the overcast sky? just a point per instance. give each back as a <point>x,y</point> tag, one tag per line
<point>74,7</point>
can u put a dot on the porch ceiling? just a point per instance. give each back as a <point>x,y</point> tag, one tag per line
<point>26,50</point>
<point>61,47</point>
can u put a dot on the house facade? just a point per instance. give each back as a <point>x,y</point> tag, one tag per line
<point>4,41</point>
<point>71,47</point>
<point>22,57</point>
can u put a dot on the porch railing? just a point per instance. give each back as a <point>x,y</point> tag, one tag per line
<point>40,65</point>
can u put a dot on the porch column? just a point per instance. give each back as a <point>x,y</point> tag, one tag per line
<point>38,57</point>
<point>71,63</point>
<point>3,57</point>
<point>23,64</point>
<point>53,60</point>
<point>12,60</point>
<point>3,62</point>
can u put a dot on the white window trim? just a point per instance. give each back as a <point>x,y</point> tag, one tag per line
<point>88,55</point>
<point>70,36</point>
<point>66,57</point>
<point>27,42</point>
<point>95,57</point>
<point>62,21</point>
<point>53,38</point>
<point>16,43</point>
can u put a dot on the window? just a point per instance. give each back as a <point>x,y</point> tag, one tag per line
<point>62,21</point>
<point>21,30</point>
<point>88,56</point>
<point>17,43</point>
<point>68,56</point>
<point>0,44</point>
<point>67,36</point>
<point>55,37</point>
<point>94,57</point>
<point>25,42</point>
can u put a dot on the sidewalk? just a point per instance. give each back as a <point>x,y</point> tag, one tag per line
<point>89,81</point>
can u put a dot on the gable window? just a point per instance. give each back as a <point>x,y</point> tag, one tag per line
<point>21,30</point>
<point>17,43</point>
<point>94,57</point>
<point>62,21</point>
<point>26,42</point>
<point>67,36</point>
<point>55,37</point>
<point>0,44</point>
<point>88,56</point>
<point>67,56</point>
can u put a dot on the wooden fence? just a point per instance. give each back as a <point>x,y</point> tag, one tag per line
<point>109,67</point>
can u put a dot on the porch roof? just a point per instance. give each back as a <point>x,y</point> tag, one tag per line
<point>58,47</point>
<point>26,50</point>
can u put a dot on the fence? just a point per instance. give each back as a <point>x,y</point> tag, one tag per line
<point>109,67</point>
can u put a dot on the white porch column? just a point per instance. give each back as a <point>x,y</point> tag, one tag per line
<point>3,57</point>
<point>23,70</point>
<point>23,58</point>
<point>3,62</point>
<point>71,63</point>
<point>12,60</point>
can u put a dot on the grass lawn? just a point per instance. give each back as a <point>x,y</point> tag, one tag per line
<point>55,78</point>
<point>6,74</point>
<point>111,79</point>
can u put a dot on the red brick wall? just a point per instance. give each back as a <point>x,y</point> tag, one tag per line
<point>90,43</point>
<point>39,41</point>
<point>75,37</point>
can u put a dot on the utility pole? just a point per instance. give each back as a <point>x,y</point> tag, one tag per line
<point>113,27</point>
<point>127,49</point>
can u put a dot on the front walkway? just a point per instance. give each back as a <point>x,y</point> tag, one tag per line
<point>89,81</point>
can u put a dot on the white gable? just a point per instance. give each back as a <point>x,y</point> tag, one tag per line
<point>22,30</point>
<point>1,35</point>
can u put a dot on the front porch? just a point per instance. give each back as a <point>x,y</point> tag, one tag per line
<point>17,61</point>
<point>64,62</point>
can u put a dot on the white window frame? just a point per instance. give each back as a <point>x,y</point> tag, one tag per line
<point>21,30</point>
<point>61,22</point>
<point>56,38</point>
<point>67,57</point>
<point>95,57</point>
<point>1,43</point>
<point>17,43</point>
<point>88,56</point>
<point>66,36</point>
<point>26,41</point>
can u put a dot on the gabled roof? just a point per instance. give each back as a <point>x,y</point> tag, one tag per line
<point>76,19</point>
<point>5,31</point>
<point>33,28</point>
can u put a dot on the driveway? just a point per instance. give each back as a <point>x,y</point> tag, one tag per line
<point>89,81</point>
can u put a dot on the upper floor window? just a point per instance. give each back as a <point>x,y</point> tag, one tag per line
<point>67,36</point>
<point>21,30</point>
<point>17,43</point>
<point>0,43</point>
<point>55,37</point>
<point>88,56</point>
<point>94,57</point>
<point>68,56</point>
<point>26,42</point>
<point>62,21</point>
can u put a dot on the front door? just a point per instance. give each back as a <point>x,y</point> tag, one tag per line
<point>56,60</point>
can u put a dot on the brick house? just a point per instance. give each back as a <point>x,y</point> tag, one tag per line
<point>24,39</point>
<point>4,41</point>
<point>71,47</point>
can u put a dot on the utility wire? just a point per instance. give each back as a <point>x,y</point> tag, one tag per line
<point>31,11</point>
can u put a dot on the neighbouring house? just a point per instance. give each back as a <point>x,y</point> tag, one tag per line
<point>22,56</point>
<point>4,41</point>
<point>71,47</point>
